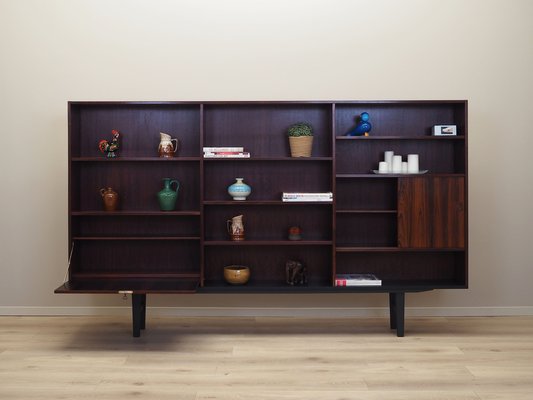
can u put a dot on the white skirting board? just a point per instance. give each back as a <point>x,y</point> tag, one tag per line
<point>272,312</point>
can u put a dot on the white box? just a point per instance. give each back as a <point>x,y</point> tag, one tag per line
<point>445,130</point>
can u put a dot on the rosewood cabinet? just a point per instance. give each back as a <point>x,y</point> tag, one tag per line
<point>409,230</point>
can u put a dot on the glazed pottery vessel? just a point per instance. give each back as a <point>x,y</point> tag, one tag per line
<point>167,196</point>
<point>235,228</point>
<point>166,148</point>
<point>109,198</point>
<point>239,190</point>
<point>295,233</point>
<point>236,274</point>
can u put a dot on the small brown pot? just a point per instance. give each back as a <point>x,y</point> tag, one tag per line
<point>236,274</point>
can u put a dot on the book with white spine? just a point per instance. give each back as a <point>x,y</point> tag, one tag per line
<point>297,196</point>
<point>229,154</point>
<point>223,149</point>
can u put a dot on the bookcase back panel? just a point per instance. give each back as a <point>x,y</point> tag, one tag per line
<point>267,263</point>
<point>397,119</point>
<point>360,156</point>
<point>446,268</point>
<point>267,180</point>
<point>366,194</point>
<point>139,127</point>
<point>136,257</point>
<point>262,128</point>
<point>150,225</point>
<point>270,223</point>
<point>137,184</point>
<point>372,230</point>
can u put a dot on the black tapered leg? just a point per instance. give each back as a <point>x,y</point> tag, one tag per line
<point>399,312</point>
<point>392,310</point>
<point>138,308</point>
<point>143,311</point>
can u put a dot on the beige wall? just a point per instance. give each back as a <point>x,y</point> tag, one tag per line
<point>54,51</point>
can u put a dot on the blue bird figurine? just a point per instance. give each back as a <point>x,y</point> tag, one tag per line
<point>363,126</point>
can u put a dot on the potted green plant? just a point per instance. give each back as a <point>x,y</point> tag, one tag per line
<point>300,139</point>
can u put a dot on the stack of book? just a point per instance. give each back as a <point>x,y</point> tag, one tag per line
<point>357,280</point>
<point>225,152</point>
<point>295,196</point>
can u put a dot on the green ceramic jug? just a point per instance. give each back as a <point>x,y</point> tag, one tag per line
<point>167,197</point>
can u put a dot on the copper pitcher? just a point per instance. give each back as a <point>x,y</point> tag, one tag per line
<point>109,198</point>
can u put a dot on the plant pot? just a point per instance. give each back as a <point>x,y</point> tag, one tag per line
<point>301,146</point>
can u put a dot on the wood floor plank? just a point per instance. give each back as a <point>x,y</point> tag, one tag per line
<point>266,358</point>
<point>337,395</point>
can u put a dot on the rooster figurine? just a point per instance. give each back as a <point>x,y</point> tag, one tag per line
<point>110,148</point>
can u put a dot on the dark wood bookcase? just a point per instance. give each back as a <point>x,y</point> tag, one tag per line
<point>409,230</point>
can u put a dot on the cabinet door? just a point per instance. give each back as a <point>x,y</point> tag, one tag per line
<point>431,212</point>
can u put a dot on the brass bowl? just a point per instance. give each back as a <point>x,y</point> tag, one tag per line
<point>236,274</point>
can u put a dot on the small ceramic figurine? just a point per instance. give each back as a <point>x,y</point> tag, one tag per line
<point>363,126</point>
<point>110,148</point>
<point>166,149</point>
<point>235,228</point>
<point>295,233</point>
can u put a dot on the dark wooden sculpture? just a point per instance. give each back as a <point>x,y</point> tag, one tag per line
<point>296,273</point>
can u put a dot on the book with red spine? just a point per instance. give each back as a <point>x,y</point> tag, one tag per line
<point>357,280</point>
<point>227,154</point>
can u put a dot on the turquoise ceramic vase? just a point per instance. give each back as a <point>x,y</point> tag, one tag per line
<point>167,197</point>
<point>239,190</point>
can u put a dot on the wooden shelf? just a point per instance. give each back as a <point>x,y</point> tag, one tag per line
<point>136,238</point>
<point>385,176</point>
<point>458,137</point>
<point>361,249</point>
<point>136,286</point>
<point>133,275</point>
<point>268,243</point>
<point>135,213</point>
<point>366,211</point>
<point>263,203</point>
<point>133,159</point>
<point>325,287</point>
<point>277,159</point>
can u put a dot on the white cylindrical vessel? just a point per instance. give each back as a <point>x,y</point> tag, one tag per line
<point>397,164</point>
<point>412,163</point>
<point>388,158</point>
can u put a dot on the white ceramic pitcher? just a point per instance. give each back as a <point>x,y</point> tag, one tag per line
<point>166,149</point>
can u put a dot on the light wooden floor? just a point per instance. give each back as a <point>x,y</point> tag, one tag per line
<point>266,358</point>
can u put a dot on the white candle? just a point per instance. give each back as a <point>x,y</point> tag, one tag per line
<point>404,167</point>
<point>396,164</point>
<point>412,163</point>
<point>383,167</point>
<point>388,158</point>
